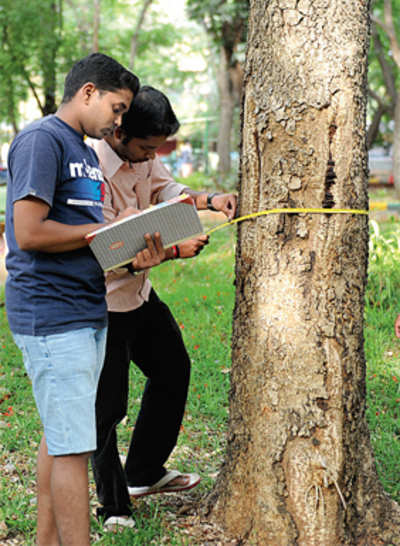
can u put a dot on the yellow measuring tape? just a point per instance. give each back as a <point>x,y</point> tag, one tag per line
<point>288,211</point>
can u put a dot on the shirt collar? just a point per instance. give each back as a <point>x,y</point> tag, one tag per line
<point>110,161</point>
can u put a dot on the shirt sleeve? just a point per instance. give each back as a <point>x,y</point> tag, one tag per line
<point>35,167</point>
<point>163,186</point>
<point>109,211</point>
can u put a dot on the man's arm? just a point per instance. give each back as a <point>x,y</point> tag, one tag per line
<point>223,202</point>
<point>163,187</point>
<point>34,231</point>
<point>397,326</point>
<point>187,249</point>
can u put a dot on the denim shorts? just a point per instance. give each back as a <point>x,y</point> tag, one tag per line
<point>65,370</point>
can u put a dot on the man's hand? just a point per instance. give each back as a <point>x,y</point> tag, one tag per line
<point>226,203</point>
<point>151,256</point>
<point>192,247</point>
<point>126,212</point>
<point>397,326</point>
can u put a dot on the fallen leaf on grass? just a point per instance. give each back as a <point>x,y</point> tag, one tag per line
<point>3,529</point>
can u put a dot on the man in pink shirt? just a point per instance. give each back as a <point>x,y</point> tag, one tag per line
<point>141,327</point>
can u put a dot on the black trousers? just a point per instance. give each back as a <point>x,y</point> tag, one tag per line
<point>150,337</point>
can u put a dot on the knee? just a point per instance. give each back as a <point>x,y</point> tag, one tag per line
<point>177,377</point>
<point>109,415</point>
<point>105,426</point>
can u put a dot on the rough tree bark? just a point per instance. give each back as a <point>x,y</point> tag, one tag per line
<point>299,467</point>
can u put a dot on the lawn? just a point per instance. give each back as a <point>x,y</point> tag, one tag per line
<point>2,201</point>
<point>200,293</point>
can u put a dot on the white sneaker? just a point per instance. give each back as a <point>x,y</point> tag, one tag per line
<point>119,521</point>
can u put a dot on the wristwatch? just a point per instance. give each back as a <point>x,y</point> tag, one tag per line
<point>209,199</point>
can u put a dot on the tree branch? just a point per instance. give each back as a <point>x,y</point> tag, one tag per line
<point>22,69</point>
<point>373,129</point>
<point>135,36</point>
<point>375,96</point>
<point>380,23</point>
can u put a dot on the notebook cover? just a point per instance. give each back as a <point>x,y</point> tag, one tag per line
<point>118,243</point>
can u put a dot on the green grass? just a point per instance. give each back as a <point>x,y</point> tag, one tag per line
<point>200,293</point>
<point>3,192</point>
<point>383,351</point>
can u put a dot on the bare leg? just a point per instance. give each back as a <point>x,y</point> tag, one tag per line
<point>63,499</point>
<point>70,495</point>
<point>46,524</point>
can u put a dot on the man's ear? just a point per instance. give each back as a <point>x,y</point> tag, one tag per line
<point>119,133</point>
<point>87,91</point>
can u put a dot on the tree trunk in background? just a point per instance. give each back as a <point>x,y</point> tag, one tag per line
<point>373,129</point>
<point>299,467</point>
<point>396,146</point>
<point>389,77</point>
<point>135,36</point>
<point>51,29</point>
<point>227,105</point>
<point>96,25</point>
<point>12,104</point>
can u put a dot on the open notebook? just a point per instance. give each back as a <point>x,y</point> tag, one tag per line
<point>118,243</point>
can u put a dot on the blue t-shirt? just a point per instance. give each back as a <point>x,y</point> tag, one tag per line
<point>49,293</point>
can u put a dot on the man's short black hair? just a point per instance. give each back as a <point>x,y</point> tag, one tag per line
<point>150,114</point>
<point>103,71</point>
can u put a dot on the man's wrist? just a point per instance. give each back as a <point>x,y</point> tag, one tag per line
<point>175,252</point>
<point>172,252</point>
<point>131,269</point>
<point>210,197</point>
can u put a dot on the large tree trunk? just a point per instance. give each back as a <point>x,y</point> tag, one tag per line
<point>299,467</point>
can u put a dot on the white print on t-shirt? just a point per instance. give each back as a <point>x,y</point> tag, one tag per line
<point>84,203</point>
<point>78,170</point>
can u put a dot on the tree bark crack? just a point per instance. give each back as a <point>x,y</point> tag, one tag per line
<point>330,176</point>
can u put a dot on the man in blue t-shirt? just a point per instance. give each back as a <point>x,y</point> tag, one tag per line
<point>55,288</point>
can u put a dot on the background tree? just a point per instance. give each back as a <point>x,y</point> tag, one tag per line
<point>386,29</point>
<point>41,40</point>
<point>226,23</point>
<point>96,24</point>
<point>30,33</point>
<point>136,31</point>
<point>382,75</point>
<point>299,467</point>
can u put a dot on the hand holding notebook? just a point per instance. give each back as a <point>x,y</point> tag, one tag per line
<point>118,243</point>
